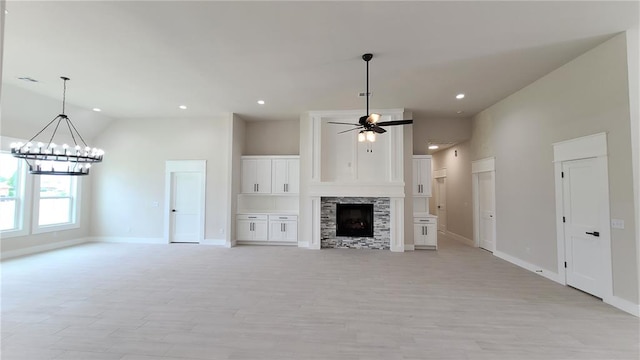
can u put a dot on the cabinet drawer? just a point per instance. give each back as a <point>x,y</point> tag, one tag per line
<point>424,220</point>
<point>251,217</point>
<point>283,218</point>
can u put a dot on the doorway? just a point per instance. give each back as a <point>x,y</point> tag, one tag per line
<point>484,203</point>
<point>582,203</point>
<point>184,196</point>
<point>441,203</point>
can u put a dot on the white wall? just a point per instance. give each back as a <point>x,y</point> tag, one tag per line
<point>585,96</point>
<point>131,178</point>
<point>633,63</point>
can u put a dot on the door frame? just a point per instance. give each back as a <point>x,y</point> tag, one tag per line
<point>477,167</point>
<point>174,166</point>
<point>591,146</point>
<point>438,174</point>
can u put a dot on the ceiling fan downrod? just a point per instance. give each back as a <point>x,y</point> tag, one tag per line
<point>367,57</point>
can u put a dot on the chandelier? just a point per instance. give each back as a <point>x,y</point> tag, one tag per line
<point>51,159</point>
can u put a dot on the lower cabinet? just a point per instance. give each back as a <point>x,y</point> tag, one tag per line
<point>251,228</point>
<point>267,228</point>
<point>425,233</point>
<point>283,228</point>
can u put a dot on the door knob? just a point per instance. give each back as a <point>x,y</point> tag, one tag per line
<point>595,233</point>
<point>173,210</point>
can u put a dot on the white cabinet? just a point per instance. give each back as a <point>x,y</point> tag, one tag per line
<point>256,176</point>
<point>422,175</point>
<point>425,232</point>
<point>270,175</point>
<point>251,228</point>
<point>283,228</point>
<point>285,176</point>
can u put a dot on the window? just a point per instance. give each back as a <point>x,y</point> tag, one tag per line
<point>12,199</point>
<point>56,203</point>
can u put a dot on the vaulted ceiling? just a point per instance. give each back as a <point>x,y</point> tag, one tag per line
<point>145,58</point>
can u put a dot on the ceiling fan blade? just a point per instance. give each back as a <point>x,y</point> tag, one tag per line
<point>359,127</point>
<point>378,129</point>
<point>341,123</point>
<point>395,122</point>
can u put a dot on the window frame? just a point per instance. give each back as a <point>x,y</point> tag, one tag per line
<point>74,207</point>
<point>23,199</point>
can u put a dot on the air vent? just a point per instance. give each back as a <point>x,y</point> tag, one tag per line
<point>26,78</point>
<point>363,94</point>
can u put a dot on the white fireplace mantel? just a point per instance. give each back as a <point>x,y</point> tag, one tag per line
<point>342,167</point>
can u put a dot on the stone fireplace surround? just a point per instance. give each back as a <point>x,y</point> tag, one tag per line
<point>381,224</point>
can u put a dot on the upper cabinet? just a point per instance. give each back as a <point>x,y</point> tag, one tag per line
<point>422,175</point>
<point>285,176</point>
<point>256,176</point>
<point>270,175</point>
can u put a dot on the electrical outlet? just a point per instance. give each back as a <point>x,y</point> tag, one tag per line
<point>221,231</point>
<point>154,203</point>
<point>617,223</point>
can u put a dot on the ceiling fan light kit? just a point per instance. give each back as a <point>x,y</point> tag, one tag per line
<point>51,159</point>
<point>370,123</point>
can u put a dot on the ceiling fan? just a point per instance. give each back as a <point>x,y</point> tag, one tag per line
<point>369,124</point>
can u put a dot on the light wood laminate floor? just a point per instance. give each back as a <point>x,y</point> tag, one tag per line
<point>179,301</point>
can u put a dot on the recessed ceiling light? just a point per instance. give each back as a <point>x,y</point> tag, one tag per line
<point>433,147</point>
<point>97,109</point>
<point>460,96</point>
<point>183,107</point>
<point>459,112</point>
<point>261,102</point>
<point>6,11</point>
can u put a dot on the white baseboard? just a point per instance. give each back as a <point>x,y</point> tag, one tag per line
<point>303,244</point>
<point>459,238</point>
<point>42,248</point>
<point>215,242</point>
<point>533,268</point>
<point>129,240</point>
<point>624,305</point>
<point>409,247</point>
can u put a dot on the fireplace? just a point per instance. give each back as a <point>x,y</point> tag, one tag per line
<point>380,219</point>
<point>354,220</point>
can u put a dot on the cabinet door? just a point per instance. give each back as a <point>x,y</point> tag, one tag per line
<point>285,174</point>
<point>280,175</point>
<point>431,237</point>
<point>263,176</point>
<point>419,237</point>
<point>416,177</point>
<point>276,231</point>
<point>293,176</point>
<point>248,176</point>
<point>422,177</point>
<point>425,176</point>
<point>260,231</point>
<point>243,230</point>
<point>290,231</point>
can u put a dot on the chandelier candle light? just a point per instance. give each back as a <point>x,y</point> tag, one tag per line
<point>51,159</point>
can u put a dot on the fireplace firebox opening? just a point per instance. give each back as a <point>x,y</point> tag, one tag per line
<point>354,220</point>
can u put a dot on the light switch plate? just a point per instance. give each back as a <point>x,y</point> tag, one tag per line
<point>617,223</point>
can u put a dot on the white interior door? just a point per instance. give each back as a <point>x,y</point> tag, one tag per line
<point>441,203</point>
<point>486,207</point>
<point>185,207</point>
<point>583,245</point>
